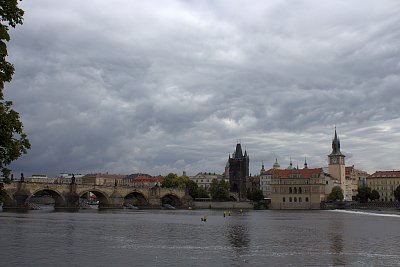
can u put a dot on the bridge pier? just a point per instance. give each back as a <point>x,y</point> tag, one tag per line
<point>116,201</point>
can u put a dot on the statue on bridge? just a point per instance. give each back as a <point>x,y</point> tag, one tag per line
<point>73,179</point>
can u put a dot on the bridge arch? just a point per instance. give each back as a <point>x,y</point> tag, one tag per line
<point>102,197</point>
<point>136,198</point>
<point>9,201</point>
<point>171,199</point>
<point>59,199</point>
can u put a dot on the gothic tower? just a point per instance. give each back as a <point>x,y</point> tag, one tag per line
<point>238,171</point>
<point>336,164</point>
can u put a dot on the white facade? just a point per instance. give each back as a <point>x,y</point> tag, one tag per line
<point>204,179</point>
<point>265,184</point>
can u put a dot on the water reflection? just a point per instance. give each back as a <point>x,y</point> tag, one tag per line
<point>238,236</point>
<point>335,237</point>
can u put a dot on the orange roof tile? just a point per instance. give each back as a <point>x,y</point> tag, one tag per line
<point>304,173</point>
<point>385,174</point>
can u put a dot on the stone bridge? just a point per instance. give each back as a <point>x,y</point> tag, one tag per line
<point>69,195</point>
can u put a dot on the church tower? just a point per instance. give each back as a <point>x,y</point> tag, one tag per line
<point>336,164</point>
<point>238,171</point>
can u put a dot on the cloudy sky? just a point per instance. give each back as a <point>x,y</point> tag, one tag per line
<point>161,86</point>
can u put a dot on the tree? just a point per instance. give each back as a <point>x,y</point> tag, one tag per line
<point>336,194</point>
<point>364,193</point>
<point>202,193</point>
<point>192,188</point>
<point>257,195</point>
<point>182,182</point>
<point>219,190</point>
<point>13,141</point>
<point>170,181</point>
<point>374,195</point>
<point>249,194</point>
<point>397,193</point>
<point>173,181</point>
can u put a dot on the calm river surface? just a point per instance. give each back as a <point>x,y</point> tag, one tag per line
<point>180,238</point>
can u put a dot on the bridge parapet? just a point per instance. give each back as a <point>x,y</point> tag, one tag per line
<point>68,195</point>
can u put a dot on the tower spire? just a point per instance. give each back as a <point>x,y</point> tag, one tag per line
<point>305,163</point>
<point>336,144</point>
<point>262,167</point>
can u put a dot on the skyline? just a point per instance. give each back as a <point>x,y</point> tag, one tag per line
<point>130,87</point>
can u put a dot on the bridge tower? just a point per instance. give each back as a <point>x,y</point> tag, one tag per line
<point>238,171</point>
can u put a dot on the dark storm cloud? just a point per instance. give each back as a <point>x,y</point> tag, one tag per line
<point>133,86</point>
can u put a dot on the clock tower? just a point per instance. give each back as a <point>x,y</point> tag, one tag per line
<point>336,164</point>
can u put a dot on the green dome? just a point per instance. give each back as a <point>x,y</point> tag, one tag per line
<point>290,167</point>
<point>276,164</point>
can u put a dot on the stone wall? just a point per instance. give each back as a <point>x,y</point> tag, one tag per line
<point>222,205</point>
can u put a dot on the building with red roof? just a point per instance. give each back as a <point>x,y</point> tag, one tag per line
<point>297,188</point>
<point>385,182</point>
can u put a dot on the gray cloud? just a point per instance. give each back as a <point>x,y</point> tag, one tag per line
<point>133,86</point>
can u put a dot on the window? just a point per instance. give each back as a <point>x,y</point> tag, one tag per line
<point>299,199</point>
<point>295,199</point>
<point>306,199</point>
<point>290,190</point>
<point>283,200</point>
<point>295,190</point>
<point>299,190</point>
<point>290,199</point>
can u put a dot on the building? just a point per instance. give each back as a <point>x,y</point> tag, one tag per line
<point>297,188</point>
<point>204,179</point>
<point>361,177</point>
<point>354,179</point>
<point>130,179</point>
<point>238,171</point>
<point>40,178</point>
<point>253,183</point>
<point>337,169</point>
<point>102,179</point>
<point>330,183</point>
<point>385,182</point>
<point>142,181</point>
<point>66,178</point>
<point>265,180</point>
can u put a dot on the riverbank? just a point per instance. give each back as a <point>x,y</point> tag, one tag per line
<point>222,205</point>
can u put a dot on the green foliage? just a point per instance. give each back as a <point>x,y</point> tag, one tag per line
<point>192,188</point>
<point>202,193</point>
<point>255,195</point>
<point>170,181</point>
<point>364,193</point>
<point>374,195</point>
<point>13,142</point>
<point>173,181</point>
<point>336,194</point>
<point>10,15</point>
<point>219,190</point>
<point>249,194</point>
<point>182,182</point>
<point>397,193</point>
<point>2,193</point>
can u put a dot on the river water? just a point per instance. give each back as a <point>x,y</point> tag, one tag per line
<point>180,238</point>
